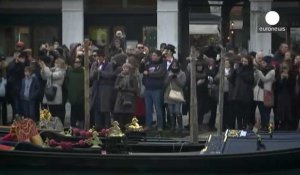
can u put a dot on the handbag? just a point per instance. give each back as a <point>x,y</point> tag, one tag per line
<point>50,90</point>
<point>268,98</point>
<point>176,95</point>
<point>127,100</point>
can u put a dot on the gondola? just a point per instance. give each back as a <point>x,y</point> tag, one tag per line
<point>226,153</point>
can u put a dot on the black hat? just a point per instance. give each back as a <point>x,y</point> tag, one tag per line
<point>268,59</point>
<point>171,48</point>
<point>163,45</point>
<point>253,54</point>
<point>157,52</point>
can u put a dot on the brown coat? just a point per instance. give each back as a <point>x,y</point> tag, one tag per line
<point>126,87</point>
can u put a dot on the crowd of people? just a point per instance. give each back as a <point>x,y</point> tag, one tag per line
<point>143,83</point>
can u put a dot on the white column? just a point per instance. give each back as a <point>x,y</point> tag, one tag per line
<point>72,21</point>
<point>216,7</point>
<point>167,23</point>
<point>259,41</point>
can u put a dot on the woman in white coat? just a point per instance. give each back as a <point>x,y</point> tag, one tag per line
<point>265,77</point>
<point>57,74</point>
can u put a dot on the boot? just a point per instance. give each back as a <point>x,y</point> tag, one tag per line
<point>179,122</point>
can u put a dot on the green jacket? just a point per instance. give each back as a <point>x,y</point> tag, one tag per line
<point>75,84</point>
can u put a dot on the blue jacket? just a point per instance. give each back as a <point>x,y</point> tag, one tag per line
<point>156,75</point>
<point>34,91</point>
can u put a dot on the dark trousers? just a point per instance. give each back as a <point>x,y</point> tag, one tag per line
<point>103,120</point>
<point>253,112</point>
<point>203,106</point>
<point>3,110</point>
<point>17,106</point>
<point>213,112</point>
<point>228,118</point>
<point>29,110</point>
<point>58,111</point>
<point>77,114</point>
<point>264,114</point>
<point>296,110</point>
<point>242,112</point>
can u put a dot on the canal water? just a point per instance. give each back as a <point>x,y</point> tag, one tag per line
<point>17,171</point>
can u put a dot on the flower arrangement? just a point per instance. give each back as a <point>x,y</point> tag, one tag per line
<point>45,115</point>
<point>93,141</point>
<point>48,122</point>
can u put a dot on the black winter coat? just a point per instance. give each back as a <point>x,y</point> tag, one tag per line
<point>243,83</point>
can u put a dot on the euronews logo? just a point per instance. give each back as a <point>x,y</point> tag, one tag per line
<point>269,23</point>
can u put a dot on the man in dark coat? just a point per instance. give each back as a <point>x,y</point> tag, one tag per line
<point>153,79</point>
<point>105,75</point>
<point>15,75</point>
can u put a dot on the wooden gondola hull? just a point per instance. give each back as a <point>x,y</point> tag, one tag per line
<point>248,162</point>
<point>237,155</point>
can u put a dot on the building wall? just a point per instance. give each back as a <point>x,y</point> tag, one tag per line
<point>33,14</point>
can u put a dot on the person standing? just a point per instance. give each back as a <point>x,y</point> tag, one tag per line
<point>265,79</point>
<point>201,88</point>
<point>30,91</point>
<point>280,54</point>
<point>228,120</point>
<point>242,94</point>
<point>15,74</point>
<point>175,80</point>
<point>168,57</point>
<point>126,86</point>
<point>94,82</point>
<point>75,86</point>
<point>55,77</point>
<point>153,79</point>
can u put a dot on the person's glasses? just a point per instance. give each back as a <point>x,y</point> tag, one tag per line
<point>140,47</point>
